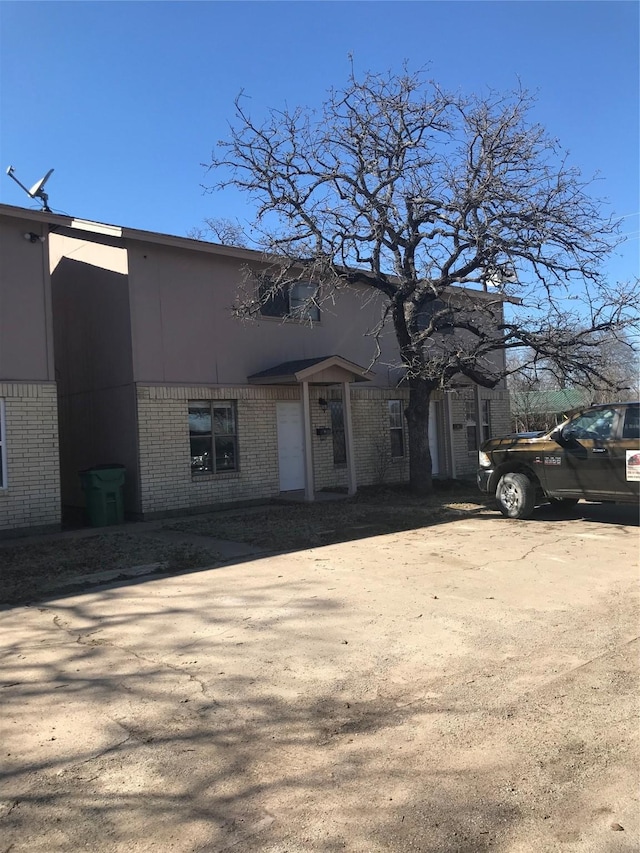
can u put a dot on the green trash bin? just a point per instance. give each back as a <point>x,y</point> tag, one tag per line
<point>102,487</point>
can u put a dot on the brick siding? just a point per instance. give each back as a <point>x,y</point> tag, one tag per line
<point>31,499</point>
<point>166,481</point>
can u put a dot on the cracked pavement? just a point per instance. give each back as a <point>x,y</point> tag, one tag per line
<point>461,688</point>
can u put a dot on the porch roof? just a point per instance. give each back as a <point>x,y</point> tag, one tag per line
<point>324,370</point>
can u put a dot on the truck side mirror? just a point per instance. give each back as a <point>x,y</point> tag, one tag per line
<point>565,436</point>
<point>556,434</point>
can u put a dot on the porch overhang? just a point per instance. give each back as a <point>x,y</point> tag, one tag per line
<point>324,370</point>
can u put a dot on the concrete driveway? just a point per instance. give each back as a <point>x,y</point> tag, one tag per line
<point>464,687</point>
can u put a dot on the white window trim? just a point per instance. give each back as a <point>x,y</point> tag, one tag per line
<point>3,447</point>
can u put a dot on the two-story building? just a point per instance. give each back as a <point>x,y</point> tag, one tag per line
<point>155,372</point>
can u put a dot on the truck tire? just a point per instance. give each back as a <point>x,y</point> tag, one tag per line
<point>516,496</point>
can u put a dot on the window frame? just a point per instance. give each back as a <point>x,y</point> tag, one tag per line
<point>485,419</point>
<point>471,425</point>
<point>429,310</point>
<point>214,471</point>
<point>3,447</point>
<point>394,428</point>
<point>307,309</point>
<point>284,305</point>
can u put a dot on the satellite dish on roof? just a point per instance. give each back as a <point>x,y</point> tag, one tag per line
<point>37,190</point>
<point>498,276</point>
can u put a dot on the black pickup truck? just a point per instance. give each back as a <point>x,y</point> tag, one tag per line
<point>594,455</point>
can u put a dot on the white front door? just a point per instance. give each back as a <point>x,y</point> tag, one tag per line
<point>433,438</point>
<point>290,446</point>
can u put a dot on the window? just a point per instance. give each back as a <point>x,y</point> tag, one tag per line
<point>275,304</point>
<point>471,425</point>
<point>3,449</point>
<point>337,432</point>
<point>427,312</point>
<point>300,301</point>
<point>292,301</point>
<point>213,436</point>
<point>485,420</point>
<point>396,428</point>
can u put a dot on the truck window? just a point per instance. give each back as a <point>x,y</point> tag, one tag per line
<point>595,424</point>
<point>631,428</point>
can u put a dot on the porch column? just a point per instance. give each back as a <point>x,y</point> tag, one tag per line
<point>352,485</point>
<point>477,404</point>
<point>308,448</point>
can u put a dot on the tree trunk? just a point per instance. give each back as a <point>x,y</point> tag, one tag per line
<point>417,415</point>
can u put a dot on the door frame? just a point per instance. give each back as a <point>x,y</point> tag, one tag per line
<point>294,405</point>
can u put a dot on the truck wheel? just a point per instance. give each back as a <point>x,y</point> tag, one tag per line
<point>516,496</point>
<point>563,504</point>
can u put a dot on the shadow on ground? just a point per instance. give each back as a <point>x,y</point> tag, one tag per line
<point>44,567</point>
<point>67,564</point>
<point>190,750</point>
<point>219,714</point>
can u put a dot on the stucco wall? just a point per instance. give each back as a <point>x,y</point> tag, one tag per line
<point>92,333</point>
<point>26,348</point>
<point>184,331</point>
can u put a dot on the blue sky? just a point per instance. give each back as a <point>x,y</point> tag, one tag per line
<point>126,100</point>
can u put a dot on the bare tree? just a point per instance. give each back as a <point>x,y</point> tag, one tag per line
<point>220,230</point>
<point>537,399</point>
<point>619,369</point>
<point>446,206</point>
<point>617,378</point>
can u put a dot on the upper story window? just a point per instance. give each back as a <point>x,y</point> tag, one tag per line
<point>427,312</point>
<point>294,300</point>
<point>301,296</point>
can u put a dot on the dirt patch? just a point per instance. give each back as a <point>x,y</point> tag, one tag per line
<point>463,688</point>
<point>28,568</point>
<point>373,512</point>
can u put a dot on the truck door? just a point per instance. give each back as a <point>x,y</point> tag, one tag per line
<point>586,461</point>
<point>625,453</point>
